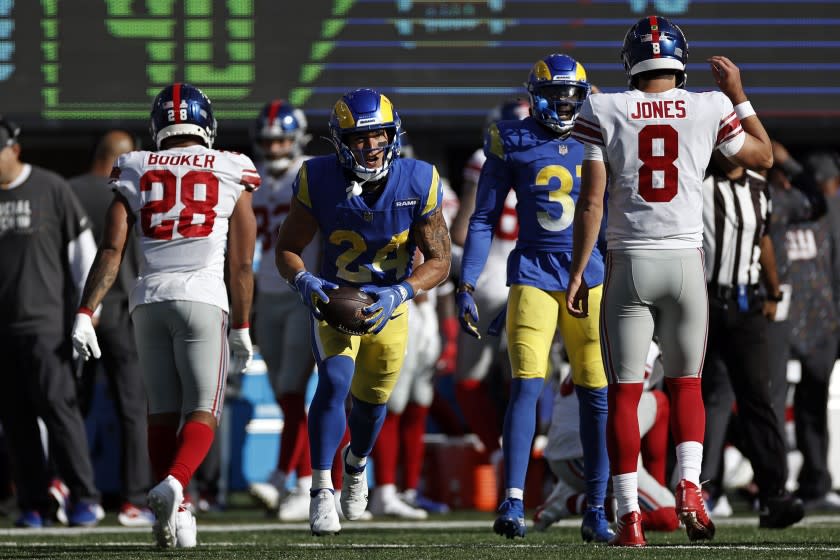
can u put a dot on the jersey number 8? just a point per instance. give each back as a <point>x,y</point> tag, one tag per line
<point>659,148</point>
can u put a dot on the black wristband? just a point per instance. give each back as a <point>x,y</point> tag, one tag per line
<point>776,298</point>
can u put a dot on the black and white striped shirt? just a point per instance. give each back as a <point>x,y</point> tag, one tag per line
<point>736,214</point>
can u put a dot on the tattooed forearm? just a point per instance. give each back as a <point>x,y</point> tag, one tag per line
<point>432,238</point>
<point>103,273</point>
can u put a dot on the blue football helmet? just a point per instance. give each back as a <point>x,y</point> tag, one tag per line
<point>557,87</point>
<point>279,120</point>
<point>362,110</point>
<point>654,43</point>
<point>182,110</point>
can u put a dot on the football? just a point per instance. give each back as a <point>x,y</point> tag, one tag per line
<point>344,311</point>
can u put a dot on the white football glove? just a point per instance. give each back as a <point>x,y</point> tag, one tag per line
<point>84,337</point>
<point>241,350</point>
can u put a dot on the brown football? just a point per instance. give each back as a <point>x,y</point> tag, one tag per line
<point>344,311</point>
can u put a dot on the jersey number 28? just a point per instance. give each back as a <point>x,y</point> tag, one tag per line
<point>199,193</point>
<point>658,150</point>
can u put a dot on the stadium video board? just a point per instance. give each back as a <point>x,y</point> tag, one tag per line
<point>443,63</point>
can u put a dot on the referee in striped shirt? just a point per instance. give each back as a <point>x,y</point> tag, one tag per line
<point>743,293</point>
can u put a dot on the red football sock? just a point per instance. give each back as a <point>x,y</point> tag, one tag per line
<point>304,464</point>
<point>412,429</point>
<point>688,415</point>
<point>655,442</point>
<point>386,450</point>
<point>162,442</point>
<point>294,436</point>
<point>194,442</point>
<point>623,427</point>
<point>338,462</point>
<point>480,412</point>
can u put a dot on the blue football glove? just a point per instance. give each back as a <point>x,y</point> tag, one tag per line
<point>498,324</point>
<point>467,312</point>
<point>387,301</point>
<point>311,289</point>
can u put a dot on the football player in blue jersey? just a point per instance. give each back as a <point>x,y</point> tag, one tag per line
<point>372,210</point>
<point>537,158</point>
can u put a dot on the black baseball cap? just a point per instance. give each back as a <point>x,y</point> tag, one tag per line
<point>9,132</point>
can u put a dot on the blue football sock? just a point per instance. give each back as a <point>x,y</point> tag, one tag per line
<point>519,427</point>
<point>327,419</point>
<point>365,423</point>
<point>593,438</point>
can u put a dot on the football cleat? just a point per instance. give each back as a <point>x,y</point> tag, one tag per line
<point>662,519</point>
<point>629,531</point>
<point>185,529</point>
<point>654,43</point>
<point>417,500</point>
<point>781,511</point>
<point>323,517</point>
<point>354,489</point>
<point>366,515</point>
<point>511,519</point>
<point>295,506</point>
<point>554,508</point>
<point>595,526</point>
<point>362,110</point>
<point>692,511</point>
<point>29,519</point>
<point>165,499</point>
<point>133,516</point>
<point>182,110</point>
<point>85,514</point>
<point>393,506</point>
<point>267,493</point>
<point>59,495</point>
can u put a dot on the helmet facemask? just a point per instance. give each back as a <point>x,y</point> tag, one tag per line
<point>557,104</point>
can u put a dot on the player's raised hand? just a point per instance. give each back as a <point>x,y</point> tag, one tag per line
<point>728,78</point>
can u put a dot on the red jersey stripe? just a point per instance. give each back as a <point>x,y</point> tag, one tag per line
<point>176,102</point>
<point>587,131</point>
<point>654,33</point>
<point>273,110</point>
<point>727,129</point>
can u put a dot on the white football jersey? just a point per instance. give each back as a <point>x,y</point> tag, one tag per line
<point>493,278</point>
<point>657,147</point>
<point>271,206</point>
<point>182,200</point>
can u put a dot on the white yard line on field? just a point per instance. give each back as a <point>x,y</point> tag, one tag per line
<point>352,526</point>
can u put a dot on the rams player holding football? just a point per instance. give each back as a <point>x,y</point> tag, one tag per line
<point>372,210</point>
<point>537,158</point>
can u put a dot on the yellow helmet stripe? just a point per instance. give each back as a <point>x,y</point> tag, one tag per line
<point>386,109</point>
<point>344,115</point>
<point>541,70</point>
